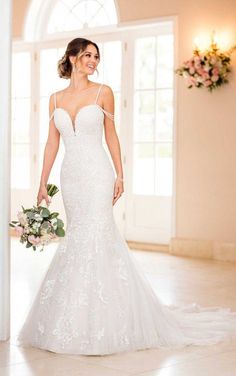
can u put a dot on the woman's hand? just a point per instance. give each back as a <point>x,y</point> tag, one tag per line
<point>43,194</point>
<point>118,190</point>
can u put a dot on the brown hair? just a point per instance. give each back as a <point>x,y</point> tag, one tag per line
<point>75,47</point>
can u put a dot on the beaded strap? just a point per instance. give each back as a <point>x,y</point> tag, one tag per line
<point>109,115</point>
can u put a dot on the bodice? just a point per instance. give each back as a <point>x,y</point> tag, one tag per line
<point>87,125</point>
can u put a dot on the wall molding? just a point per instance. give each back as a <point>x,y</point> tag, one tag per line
<point>195,248</point>
<point>208,249</point>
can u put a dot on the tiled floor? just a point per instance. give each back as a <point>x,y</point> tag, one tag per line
<point>175,279</point>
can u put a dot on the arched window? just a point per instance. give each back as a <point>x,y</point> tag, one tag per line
<point>67,15</point>
<point>81,14</point>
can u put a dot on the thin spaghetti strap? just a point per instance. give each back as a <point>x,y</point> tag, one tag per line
<point>98,93</point>
<point>55,101</point>
<point>55,106</point>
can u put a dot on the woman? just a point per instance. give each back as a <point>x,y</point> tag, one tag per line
<point>94,300</point>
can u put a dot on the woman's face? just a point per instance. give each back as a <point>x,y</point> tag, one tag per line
<point>89,61</point>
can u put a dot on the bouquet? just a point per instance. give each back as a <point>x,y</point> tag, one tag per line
<point>208,69</point>
<point>37,226</point>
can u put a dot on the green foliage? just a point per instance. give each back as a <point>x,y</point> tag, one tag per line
<point>40,223</point>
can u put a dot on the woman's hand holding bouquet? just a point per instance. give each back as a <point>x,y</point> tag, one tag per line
<point>37,226</point>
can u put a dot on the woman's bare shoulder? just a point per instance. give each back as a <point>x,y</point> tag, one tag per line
<point>107,92</point>
<point>107,88</point>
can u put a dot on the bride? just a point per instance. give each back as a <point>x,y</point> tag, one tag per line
<point>94,298</point>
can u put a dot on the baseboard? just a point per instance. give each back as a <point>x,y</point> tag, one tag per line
<point>148,246</point>
<point>208,249</point>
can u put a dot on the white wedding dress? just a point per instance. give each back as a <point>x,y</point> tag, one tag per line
<point>94,298</point>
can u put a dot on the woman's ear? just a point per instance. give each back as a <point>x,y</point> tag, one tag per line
<point>72,59</point>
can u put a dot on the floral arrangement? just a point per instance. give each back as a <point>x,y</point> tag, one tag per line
<point>207,69</point>
<point>37,226</point>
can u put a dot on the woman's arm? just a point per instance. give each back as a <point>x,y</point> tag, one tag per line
<point>113,141</point>
<point>50,152</point>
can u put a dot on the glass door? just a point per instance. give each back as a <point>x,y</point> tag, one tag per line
<point>22,176</point>
<point>150,169</point>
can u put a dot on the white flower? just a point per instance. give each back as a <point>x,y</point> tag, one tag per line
<point>206,67</point>
<point>185,74</point>
<point>22,218</point>
<point>36,225</point>
<point>38,217</point>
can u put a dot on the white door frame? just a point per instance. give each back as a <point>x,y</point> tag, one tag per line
<point>5,166</point>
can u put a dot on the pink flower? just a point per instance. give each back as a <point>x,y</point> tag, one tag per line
<point>191,81</point>
<point>19,230</point>
<point>197,65</point>
<point>215,78</point>
<point>213,60</point>
<point>189,63</point>
<point>205,75</point>
<point>200,71</point>
<point>191,70</point>
<point>215,71</point>
<point>197,59</point>
<point>34,240</point>
<point>207,83</point>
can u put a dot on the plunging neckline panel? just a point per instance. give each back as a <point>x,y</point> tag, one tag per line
<point>73,123</point>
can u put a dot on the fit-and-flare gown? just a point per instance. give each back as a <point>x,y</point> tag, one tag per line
<point>94,298</point>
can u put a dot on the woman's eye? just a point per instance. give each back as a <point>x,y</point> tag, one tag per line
<point>89,55</point>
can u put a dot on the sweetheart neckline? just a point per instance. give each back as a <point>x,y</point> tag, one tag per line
<point>77,113</point>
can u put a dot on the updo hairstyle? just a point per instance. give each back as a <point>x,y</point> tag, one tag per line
<point>76,47</point>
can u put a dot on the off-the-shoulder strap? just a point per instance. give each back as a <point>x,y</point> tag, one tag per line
<point>55,106</point>
<point>109,115</point>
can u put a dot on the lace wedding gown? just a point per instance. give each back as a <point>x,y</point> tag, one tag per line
<point>94,298</point>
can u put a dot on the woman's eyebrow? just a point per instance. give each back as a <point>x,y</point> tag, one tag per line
<point>91,52</point>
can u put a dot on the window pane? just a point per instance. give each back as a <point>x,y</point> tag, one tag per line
<point>20,166</point>
<point>163,173</point>
<point>54,177</point>
<point>111,59</point>
<point>165,61</point>
<point>21,74</point>
<point>164,114</point>
<point>153,114</point>
<point>145,62</point>
<point>144,112</point>
<point>20,116</point>
<point>44,119</point>
<point>117,112</point>
<point>78,14</point>
<point>21,120</point>
<point>143,172</point>
<point>49,79</point>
